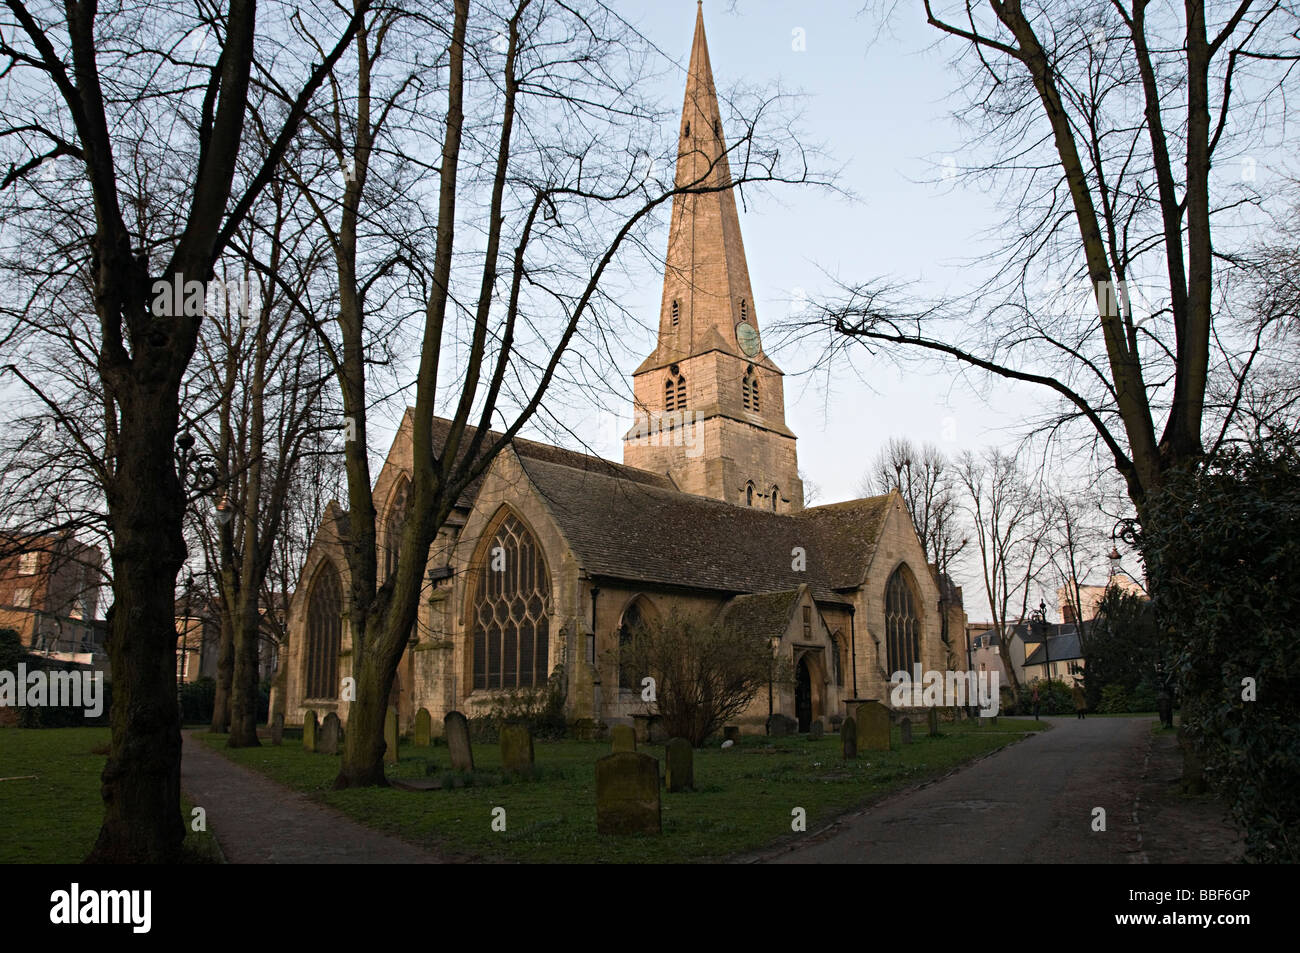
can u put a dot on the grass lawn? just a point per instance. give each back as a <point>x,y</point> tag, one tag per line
<point>743,801</point>
<point>54,818</point>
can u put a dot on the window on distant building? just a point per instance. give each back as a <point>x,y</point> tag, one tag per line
<point>22,598</point>
<point>634,617</point>
<point>749,494</point>
<point>776,494</point>
<point>511,611</point>
<point>393,523</point>
<point>837,664</point>
<point>807,623</point>
<point>902,626</point>
<point>324,633</point>
<point>29,564</point>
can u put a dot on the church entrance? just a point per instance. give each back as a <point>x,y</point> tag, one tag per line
<point>803,695</point>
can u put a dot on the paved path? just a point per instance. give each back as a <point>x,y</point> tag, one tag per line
<point>257,821</point>
<point>1032,802</point>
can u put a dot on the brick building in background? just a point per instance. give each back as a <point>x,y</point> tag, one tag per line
<point>49,595</point>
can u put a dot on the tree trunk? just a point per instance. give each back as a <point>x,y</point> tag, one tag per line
<point>363,760</point>
<point>225,671</point>
<point>244,686</point>
<point>141,781</point>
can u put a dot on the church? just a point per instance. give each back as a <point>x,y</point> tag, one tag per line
<point>705,515</point>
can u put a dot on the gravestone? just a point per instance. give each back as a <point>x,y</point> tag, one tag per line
<point>873,726</point>
<point>330,736</point>
<point>731,733</point>
<point>905,729</point>
<point>517,748</point>
<point>849,737</point>
<point>679,773</point>
<point>390,736</point>
<point>816,731</point>
<point>627,794</point>
<point>277,729</point>
<point>455,728</point>
<point>932,718</point>
<point>779,726</point>
<point>641,728</point>
<point>423,726</point>
<point>623,737</point>
<point>309,731</point>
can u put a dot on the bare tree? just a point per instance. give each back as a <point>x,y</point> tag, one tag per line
<point>1006,516</point>
<point>154,123</point>
<point>1103,120</point>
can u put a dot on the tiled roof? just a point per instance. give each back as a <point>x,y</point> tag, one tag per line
<point>636,530</point>
<point>1061,648</point>
<point>766,613</point>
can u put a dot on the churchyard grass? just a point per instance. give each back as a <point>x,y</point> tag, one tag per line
<point>743,798</point>
<point>55,818</point>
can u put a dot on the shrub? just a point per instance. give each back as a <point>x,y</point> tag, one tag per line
<point>197,700</point>
<point>705,674</point>
<point>1114,698</point>
<point>1221,544</point>
<point>542,709</point>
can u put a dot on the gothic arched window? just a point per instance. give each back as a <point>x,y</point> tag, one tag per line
<point>677,311</point>
<point>776,493</point>
<point>511,612</point>
<point>675,393</point>
<point>633,619</point>
<point>837,663</point>
<point>749,391</point>
<point>324,633</point>
<point>902,625</point>
<point>749,494</point>
<point>394,519</point>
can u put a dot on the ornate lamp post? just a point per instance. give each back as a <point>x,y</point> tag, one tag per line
<point>1038,626</point>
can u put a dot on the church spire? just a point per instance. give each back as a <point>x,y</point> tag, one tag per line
<point>706,295</point>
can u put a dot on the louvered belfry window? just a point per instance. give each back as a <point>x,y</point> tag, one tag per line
<point>749,391</point>
<point>677,312</point>
<point>675,393</point>
<point>902,627</point>
<point>324,633</point>
<point>512,608</point>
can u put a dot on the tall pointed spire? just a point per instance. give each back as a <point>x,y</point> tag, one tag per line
<point>708,385</point>
<point>706,280</point>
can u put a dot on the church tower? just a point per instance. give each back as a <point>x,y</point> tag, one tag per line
<point>709,403</point>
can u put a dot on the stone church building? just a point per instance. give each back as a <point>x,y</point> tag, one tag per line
<point>705,514</point>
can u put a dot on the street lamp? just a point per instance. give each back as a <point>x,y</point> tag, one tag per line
<point>1038,626</point>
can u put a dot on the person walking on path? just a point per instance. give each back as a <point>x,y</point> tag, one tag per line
<point>1036,701</point>
<point>1080,700</point>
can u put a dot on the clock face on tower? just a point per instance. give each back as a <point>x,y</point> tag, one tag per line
<point>747,338</point>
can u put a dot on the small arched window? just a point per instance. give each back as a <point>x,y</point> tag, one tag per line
<point>902,625</point>
<point>633,620</point>
<point>324,633</point>
<point>776,493</point>
<point>837,663</point>
<point>744,310</point>
<point>749,391</point>
<point>677,312</point>
<point>749,494</point>
<point>675,393</point>
<point>688,131</point>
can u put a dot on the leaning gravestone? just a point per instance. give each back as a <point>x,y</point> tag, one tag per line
<point>816,731</point>
<point>624,738</point>
<point>517,748</point>
<point>423,726</point>
<point>331,735</point>
<point>873,727</point>
<point>627,794</point>
<point>932,718</point>
<point>277,729</point>
<point>455,728</point>
<point>849,737</point>
<point>679,775</point>
<point>309,731</point>
<point>905,729</point>
<point>390,736</point>
<point>731,733</point>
